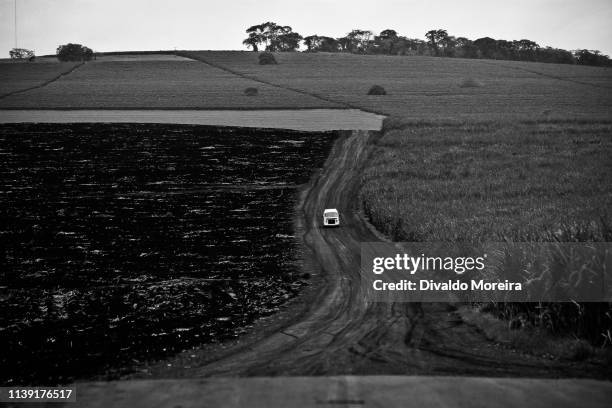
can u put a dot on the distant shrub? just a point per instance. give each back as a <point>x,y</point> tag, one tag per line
<point>251,91</point>
<point>471,83</point>
<point>267,58</point>
<point>22,53</point>
<point>394,123</point>
<point>74,52</point>
<point>377,90</point>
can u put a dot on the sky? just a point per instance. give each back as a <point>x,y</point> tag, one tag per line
<point>129,25</point>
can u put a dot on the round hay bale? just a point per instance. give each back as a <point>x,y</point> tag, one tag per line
<point>267,58</point>
<point>471,83</point>
<point>251,91</point>
<point>377,90</point>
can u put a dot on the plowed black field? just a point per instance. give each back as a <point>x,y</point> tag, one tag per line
<point>127,242</point>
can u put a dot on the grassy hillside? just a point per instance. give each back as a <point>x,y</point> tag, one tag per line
<point>597,76</point>
<point>145,83</point>
<point>432,88</point>
<point>495,181</point>
<point>18,76</point>
<point>491,182</point>
<point>418,87</point>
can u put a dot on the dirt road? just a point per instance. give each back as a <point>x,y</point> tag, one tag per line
<point>309,120</point>
<point>342,332</point>
<point>345,392</point>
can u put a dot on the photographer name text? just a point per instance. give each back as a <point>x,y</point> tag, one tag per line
<point>413,264</point>
<point>451,285</point>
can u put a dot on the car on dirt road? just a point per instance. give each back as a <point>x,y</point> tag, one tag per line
<point>331,218</point>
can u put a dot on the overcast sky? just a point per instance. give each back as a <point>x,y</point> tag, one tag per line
<point>112,25</point>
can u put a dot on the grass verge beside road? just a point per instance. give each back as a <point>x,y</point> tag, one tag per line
<point>537,340</point>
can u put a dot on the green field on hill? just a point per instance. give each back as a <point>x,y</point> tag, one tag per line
<point>150,84</point>
<point>418,88</point>
<point>19,76</point>
<point>435,88</point>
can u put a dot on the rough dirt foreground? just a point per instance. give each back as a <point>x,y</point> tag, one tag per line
<point>346,392</point>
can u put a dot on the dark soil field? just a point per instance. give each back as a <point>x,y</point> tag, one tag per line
<point>137,241</point>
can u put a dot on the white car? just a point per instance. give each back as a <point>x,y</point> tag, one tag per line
<point>331,218</point>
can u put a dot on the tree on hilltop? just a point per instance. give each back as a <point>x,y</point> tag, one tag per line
<point>272,37</point>
<point>288,41</point>
<point>74,52</point>
<point>252,41</point>
<point>487,46</point>
<point>21,53</point>
<point>385,42</point>
<point>312,43</point>
<point>388,34</point>
<point>356,41</point>
<point>435,37</point>
<point>591,57</point>
<point>258,35</point>
<point>526,45</point>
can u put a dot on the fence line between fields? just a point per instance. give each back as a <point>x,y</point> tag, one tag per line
<point>262,81</point>
<point>559,78</point>
<point>70,71</point>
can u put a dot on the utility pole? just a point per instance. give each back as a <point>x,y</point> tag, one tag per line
<point>15,2</point>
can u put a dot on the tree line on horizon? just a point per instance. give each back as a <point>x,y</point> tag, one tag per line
<point>272,37</point>
<point>64,53</point>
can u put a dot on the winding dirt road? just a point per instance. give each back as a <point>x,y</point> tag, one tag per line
<point>342,331</point>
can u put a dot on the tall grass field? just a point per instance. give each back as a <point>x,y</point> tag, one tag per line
<point>544,181</point>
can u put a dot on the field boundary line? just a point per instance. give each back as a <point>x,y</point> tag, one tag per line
<point>178,109</point>
<point>575,81</point>
<point>43,84</point>
<point>263,81</point>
